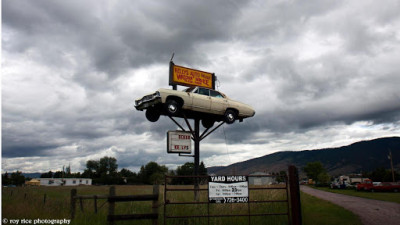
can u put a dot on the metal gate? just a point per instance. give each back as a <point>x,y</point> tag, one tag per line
<point>273,199</point>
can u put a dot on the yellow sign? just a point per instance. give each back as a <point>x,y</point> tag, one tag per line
<point>190,77</point>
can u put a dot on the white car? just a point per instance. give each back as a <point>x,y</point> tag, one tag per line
<point>204,103</point>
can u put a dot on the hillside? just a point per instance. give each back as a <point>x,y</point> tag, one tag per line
<point>354,158</point>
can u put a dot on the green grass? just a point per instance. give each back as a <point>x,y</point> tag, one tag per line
<point>383,196</point>
<point>316,211</point>
<point>28,203</point>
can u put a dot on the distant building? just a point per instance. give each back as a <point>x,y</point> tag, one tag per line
<point>64,181</point>
<point>263,179</point>
<point>33,182</point>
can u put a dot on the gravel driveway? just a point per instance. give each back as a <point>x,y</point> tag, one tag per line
<point>371,212</point>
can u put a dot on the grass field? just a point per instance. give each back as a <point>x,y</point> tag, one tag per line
<point>383,196</point>
<point>317,211</point>
<point>54,203</point>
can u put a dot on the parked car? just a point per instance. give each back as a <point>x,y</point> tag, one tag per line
<point>210,105</point>
<point>368,185</point>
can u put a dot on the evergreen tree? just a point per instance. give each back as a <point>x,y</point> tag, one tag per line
<point>314,169</point>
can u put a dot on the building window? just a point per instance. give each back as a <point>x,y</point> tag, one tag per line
<point>51,181</point>
<point>74,181</point>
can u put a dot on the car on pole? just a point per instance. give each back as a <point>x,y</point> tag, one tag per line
<point>208,104</point>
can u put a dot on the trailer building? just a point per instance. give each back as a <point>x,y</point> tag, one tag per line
<point>64,181</point>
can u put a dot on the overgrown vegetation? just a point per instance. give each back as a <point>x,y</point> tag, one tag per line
<point>30,205</point>
<point>382,175</point>
<point>383,196</point>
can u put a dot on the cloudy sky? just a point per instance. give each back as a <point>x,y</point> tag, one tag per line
<point>318,73</point>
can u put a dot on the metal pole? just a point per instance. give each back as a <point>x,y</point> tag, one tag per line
<point>196,156</point>
<point>196,146</point>
<point>391,164</point>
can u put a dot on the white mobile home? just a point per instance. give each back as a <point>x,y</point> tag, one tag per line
<point>64,181</point>
<point>263,179</point>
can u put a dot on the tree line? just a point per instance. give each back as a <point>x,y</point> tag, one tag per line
<point>105,172</point>
<point>317,172</point>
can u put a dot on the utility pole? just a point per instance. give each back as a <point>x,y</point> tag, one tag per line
<point>391,163</point>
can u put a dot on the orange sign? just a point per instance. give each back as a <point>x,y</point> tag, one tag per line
<point>190,77</point>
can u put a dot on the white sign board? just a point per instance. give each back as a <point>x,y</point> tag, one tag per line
<point>228,189</point>
<point>179,142</point>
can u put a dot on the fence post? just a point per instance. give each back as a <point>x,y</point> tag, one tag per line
<point>73,195</point>
<point>44,199</point>
<point>95,204</point>
<point>111,205</point>
<point>294,188</point>
<point>81,203</point>
<point>156,191</point>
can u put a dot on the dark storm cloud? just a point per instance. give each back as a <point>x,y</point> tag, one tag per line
<point>124,35</point>
<point>304,66</point>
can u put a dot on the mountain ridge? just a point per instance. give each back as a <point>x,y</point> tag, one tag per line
<point>357,157</point>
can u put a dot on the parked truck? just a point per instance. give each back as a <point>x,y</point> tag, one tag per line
<point>345,181</point>
<point>368,185</point>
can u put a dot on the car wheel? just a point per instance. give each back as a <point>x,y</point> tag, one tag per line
<point>172,107</point>
<point>230,116</point>
<point>396,190</point>
<point>207,123</point>
<point>372,190</point>
<point>152,115</point>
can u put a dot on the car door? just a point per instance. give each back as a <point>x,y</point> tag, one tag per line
<point>218,102</point>
<point>202,100</point>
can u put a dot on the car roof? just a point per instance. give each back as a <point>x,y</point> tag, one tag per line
<point>195,87</point>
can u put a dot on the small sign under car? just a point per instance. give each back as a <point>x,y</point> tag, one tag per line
<point>179,142</point>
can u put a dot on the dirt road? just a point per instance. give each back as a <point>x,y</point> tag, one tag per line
<point>371,212</point>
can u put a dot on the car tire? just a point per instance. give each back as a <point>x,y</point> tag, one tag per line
<point>230,116</point>
<point>207,123</point>
<point>172,107</point>
<point>152,114</point>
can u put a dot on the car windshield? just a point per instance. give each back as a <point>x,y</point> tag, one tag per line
<point>189,89</point>
<point>204,91</point>
<point>216,94</point>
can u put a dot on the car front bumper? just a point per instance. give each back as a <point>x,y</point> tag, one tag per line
<point>148,101</point>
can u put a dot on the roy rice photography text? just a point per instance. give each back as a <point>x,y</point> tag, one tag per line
<point>36,221</point>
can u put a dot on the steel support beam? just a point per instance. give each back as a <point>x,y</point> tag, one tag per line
<point>196,137</point>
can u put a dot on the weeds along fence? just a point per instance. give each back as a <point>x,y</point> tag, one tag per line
<point>176,203</point>
<point>32,202</point>
<point>80,198</point>
<point>267,203</point>
<point>112,199</point>
<point>27,196</point>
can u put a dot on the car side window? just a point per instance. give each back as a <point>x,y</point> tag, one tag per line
<point>203,91</point>
<point>215,94</point>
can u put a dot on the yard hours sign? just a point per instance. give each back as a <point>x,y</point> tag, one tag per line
<point>190,77</point>
<point>179,142</point>
<point>228,189</point>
